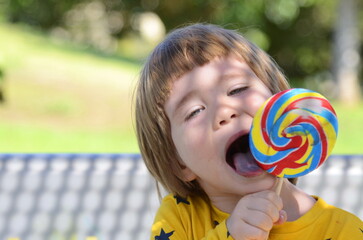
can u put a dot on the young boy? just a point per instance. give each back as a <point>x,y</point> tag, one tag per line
<point>196,98</point>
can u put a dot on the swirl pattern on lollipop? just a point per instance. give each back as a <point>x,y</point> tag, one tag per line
<point>293,132</point>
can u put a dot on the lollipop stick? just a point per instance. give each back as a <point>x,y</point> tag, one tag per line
<point>279,185</point>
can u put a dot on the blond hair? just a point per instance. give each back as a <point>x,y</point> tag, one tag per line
<point>181,51</point>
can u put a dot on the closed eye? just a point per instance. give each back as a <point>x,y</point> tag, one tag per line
<point>194,113</point>
<point>237,90</point>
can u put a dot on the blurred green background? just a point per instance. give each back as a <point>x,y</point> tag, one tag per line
<point>68,68</point>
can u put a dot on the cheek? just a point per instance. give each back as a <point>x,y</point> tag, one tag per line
<point>189,143</point>
<point>255,102</point>
<point>257,98</point>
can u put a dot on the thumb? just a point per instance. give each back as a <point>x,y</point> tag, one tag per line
<point>282,218</point>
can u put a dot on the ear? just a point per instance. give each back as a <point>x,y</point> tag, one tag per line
<point>187,174</point>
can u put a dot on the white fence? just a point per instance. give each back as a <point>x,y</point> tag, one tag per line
<point>112,196</point>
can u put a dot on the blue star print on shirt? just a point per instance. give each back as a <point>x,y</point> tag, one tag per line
<point>163,235</point>
<point>181,200</point>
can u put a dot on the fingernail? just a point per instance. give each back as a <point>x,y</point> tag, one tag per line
<point>283,216</point>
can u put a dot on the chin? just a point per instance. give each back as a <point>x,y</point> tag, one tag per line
<point>262,182</point>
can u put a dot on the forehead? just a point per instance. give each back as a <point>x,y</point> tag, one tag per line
<point>219,67</point>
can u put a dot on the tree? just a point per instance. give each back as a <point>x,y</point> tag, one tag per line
<point>297,33</point>
<point>346,52</point>
<point>43,14</point>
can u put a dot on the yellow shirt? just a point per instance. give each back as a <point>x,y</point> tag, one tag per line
<point>196,219</point>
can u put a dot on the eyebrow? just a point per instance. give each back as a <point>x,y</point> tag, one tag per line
<point>233,74</point>
<point>229,75</point>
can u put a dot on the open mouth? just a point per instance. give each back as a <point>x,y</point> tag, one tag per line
<point>240,158</point>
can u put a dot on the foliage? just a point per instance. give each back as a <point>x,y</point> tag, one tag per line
<point>44,14</point>
<point>297,33</point>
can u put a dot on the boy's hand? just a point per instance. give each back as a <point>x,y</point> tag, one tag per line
<point>255,215</point>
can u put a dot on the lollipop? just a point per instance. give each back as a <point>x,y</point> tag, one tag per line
<point>293,133</point>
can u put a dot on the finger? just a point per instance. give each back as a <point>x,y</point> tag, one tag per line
<point>270,196</point>
<point>259,220</point>
<point>253,232</point>
<point>265,206</point>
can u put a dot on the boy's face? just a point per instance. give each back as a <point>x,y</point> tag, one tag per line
<point>211,110</point>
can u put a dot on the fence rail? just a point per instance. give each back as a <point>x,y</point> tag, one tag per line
<point>112,196</point>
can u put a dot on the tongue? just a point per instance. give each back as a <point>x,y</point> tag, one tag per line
<point>246,165</point>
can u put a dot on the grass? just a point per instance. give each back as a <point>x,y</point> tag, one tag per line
<point>350,129</point>
<point>27,138</point>
<point>64,98</point>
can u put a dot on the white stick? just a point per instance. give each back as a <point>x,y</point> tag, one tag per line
<point>279,185</point>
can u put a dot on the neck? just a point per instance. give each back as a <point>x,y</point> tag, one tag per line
<point>225,203</point>
<point>296,202</point>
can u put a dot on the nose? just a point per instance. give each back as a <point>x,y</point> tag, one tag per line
<point>224,115</point>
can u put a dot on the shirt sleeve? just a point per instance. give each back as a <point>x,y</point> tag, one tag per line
<point>352,228</point>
